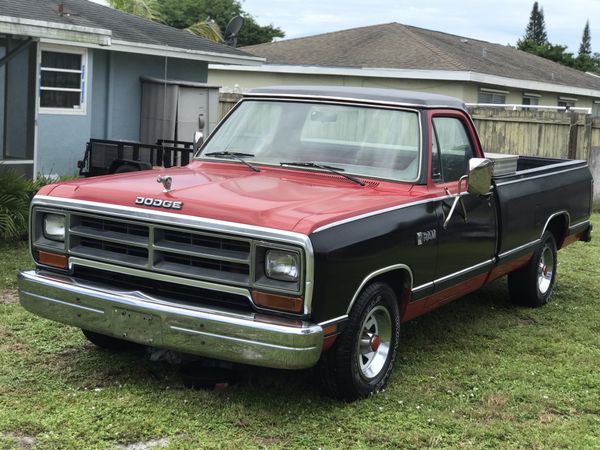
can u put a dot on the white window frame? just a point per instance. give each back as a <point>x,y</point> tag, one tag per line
<point>532,96</point>
<point>596,108</point>
<point>82,110</point>
<point>569,102</point>
<point>492,92</point>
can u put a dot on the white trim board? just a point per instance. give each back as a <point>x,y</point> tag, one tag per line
<point>418,74</point>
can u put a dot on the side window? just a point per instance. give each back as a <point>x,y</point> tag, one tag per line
<point>451,148</point>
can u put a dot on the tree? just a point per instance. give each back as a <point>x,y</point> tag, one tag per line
<point>585,48</point>
<point>536,28</point>
<point>147,9</point>
<point>185,13</point>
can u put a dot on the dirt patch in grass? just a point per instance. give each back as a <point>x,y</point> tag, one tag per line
<point>147,445</point>
<point>9,297</point>
<point>19,441</point>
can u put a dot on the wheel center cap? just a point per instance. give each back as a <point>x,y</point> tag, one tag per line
<point>545,270</point>
<point>375,343</point>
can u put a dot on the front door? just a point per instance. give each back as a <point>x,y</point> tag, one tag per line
<point>467,241</point>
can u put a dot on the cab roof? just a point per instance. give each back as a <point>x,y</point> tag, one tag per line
<point>361,94</point>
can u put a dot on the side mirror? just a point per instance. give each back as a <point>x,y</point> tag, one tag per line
<point>201,122</point>
<point>198,139</point>
<point>480,176</point>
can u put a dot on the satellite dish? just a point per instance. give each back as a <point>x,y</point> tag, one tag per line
<point>232,30</point>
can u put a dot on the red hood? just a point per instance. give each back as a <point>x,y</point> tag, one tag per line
<point>286,199</point>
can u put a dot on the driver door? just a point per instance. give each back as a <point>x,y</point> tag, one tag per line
<point>466,245</point>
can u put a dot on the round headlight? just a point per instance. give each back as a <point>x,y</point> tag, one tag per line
<point>281,265</point>
<point>54,227</point>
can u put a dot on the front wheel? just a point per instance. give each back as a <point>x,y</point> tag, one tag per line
<point>361,360</point>
<point>532,285</point>
<point>106,342</point>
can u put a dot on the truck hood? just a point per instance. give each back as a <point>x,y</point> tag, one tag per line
<point>286,199</point>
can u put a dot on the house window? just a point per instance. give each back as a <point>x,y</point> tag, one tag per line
<point>492,96</point>
<point>531,99</point>
<point>62,81</point>
<point>596,108</point>
<point>566,102</point>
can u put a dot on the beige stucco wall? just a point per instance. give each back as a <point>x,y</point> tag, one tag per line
<point>234,81</point>
<point>240,81</point>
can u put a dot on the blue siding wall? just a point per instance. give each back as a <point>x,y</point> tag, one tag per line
<point>113,106</point>
<point>62,137</point>
<point>118,89</point>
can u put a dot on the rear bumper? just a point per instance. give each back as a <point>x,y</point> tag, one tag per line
<point>136,317</point>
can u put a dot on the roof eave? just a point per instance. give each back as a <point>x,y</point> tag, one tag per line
<point>420,74</point>
<point>54,30</point>
<point>59,33</point>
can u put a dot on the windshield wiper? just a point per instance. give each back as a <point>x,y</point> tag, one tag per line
<point>336,170</point>
<point>235,155</point>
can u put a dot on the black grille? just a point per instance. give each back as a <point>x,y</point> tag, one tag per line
<point>177,293</point>
<point>213,242</point>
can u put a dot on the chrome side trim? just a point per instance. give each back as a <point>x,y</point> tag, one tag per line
<point>332,321</point>
<point>464,271</point>
<point>539,176</point>
<point>556,214</point>
<point>369,277</point>
<point>575,228</point>
<point>75,261</point>
<point>519,249</point>
<point>380,211</point>
<point>454,275</point>
<point>422,287</point>
<point>168,218</point>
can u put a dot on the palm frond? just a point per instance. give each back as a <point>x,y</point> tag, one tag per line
<point>207,29</point>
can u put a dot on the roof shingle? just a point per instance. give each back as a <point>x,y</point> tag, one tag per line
<point>397,46</point>
<point>124,27</point>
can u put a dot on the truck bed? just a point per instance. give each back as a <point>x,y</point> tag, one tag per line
<point>540,189</point>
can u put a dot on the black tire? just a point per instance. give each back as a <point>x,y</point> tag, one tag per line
<point>532,284</point>
<point>125,168</point>
<point>349,373</point>
<point>106,342</point>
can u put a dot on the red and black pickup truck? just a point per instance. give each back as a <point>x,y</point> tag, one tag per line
<point>307,228</point>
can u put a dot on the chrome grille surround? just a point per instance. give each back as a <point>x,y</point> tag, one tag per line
<point>221,255</point>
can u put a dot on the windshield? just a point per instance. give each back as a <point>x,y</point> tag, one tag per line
<point>368,141</point>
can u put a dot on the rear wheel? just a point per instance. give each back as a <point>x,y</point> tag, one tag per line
<point>532,285</point>
<point>106,342</point>
<point>361,360</point>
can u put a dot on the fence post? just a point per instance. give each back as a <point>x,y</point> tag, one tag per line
<point>572,142</point>
<point>587,137</point>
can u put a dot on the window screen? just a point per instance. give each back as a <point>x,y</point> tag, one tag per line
<point>492,97</point>
<point>62,80</point>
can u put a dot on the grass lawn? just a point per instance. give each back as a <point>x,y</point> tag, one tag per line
<point>478,373</point>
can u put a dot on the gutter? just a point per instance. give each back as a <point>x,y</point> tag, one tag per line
<point>88,37</point>
<point>416,74</point>
<point>54,30</point>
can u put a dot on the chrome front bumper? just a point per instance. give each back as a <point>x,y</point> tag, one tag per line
<point>136,317</point>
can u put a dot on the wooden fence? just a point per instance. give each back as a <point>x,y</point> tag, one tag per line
<point>556,134</point>
<point>525,132</point>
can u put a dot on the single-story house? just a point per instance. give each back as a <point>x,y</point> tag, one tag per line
<point>406,57</point>
<point>71,70</point>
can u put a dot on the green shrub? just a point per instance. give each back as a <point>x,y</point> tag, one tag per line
<point>16,193</point>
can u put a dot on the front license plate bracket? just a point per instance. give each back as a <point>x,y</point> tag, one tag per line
<point>136,326</point>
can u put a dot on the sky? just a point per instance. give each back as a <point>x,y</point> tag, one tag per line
<point>501,22</point>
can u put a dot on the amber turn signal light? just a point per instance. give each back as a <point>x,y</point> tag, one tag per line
<point>52,259</point>
<point>278,302</point>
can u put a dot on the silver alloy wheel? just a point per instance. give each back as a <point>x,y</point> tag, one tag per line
<point>374,342</point>
<point>545,269</point>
